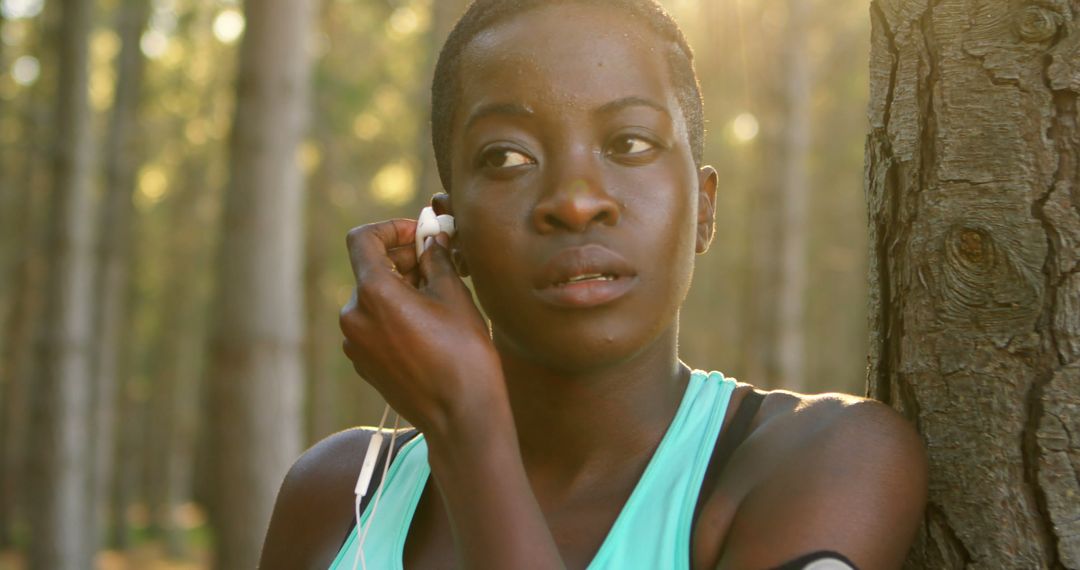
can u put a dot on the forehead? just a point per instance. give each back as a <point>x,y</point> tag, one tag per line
<point>566,56</point>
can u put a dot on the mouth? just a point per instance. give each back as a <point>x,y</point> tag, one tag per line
<point>583,277</point>
<point>586,278</point>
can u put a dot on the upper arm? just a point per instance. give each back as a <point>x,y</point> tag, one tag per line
<point>855,485</point>
<point>315,504</point>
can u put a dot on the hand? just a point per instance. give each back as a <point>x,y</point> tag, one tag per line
<point>413,332</point>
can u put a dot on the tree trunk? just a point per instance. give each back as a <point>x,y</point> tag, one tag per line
<point>21,325</point>
<point>124,489</point>
<point>173,404</point>
<point>257,373</point>
<point>62,466</point>
<point>322,343</point>
<point>759,311</point>
<point>114,260</point>
<point>444,14</point>
<point>26,169</point>
<point>793,202</point>
<point>972,187</point>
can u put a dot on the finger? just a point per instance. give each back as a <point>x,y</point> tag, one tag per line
<point>404,258</point>
<point>436,268</point>
<point>412,277</point>
<point>349,321</point>
<point>369,245</point>
<point>351,352</point>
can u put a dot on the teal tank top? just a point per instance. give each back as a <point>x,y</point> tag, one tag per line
<point>651,532</point>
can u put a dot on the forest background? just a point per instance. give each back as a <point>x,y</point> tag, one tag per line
<point>780,300</point>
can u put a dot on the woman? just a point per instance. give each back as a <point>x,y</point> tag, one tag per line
<point>569,434</point>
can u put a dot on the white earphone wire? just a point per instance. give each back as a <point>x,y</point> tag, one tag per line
<point>363,531</point>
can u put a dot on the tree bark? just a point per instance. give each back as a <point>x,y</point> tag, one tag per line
<point>114,259</point>
<point>972,186</point>
<point>257,373</point>
<point>61,467</point>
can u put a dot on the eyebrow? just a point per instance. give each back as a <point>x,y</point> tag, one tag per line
<point>620,104</point>
<point>519,110</point>
<point>489,109</point>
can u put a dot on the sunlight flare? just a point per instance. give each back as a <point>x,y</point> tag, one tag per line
<point>229,26</point>
<point>394,184</point>
<point>745,127</point>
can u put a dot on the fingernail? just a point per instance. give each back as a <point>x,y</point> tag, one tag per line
<point>443,240</point>
<point>428,241</point>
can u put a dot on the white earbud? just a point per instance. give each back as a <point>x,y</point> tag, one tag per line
<point>429,225</point>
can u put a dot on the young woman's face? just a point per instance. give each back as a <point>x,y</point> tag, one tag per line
<point>577,199</point>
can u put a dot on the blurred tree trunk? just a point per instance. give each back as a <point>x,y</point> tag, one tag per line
<point>322,243</point>
<point>257,369</point>
<point>28,172</point>
<point>62,462</point>
<point>322,336</point>
<point>114,258</point>
<point>759,309</point>
<point>171,423</point>
<point>22,318</point>
<point>794,196</point>
<point>131,410</point>
<point>444,14</point>
<point>973,187</point>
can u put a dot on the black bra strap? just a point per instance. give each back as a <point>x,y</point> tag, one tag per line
<point>802,562</point>
<point>402,438</point>
<point>736,432</point>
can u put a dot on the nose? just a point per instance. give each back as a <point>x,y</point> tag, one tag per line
<point>575,201</point>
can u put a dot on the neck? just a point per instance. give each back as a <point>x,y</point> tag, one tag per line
<point>577,426</point>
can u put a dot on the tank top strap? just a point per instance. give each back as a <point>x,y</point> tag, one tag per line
<point>401,492</point>
<point>653,529</point>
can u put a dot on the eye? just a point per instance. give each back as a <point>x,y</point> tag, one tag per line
<point>630,144</point>
<point>504,158</point>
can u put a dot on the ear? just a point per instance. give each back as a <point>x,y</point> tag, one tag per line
<point>441,203</point>
<point>706,220</point>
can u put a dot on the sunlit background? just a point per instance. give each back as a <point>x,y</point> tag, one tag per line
<point>779,301</point>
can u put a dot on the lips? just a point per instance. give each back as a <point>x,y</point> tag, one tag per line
<point>584,276</point>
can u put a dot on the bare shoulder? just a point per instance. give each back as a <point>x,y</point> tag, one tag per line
<point>314,506</point>
<point>830,472</point>
<point>842,421</point>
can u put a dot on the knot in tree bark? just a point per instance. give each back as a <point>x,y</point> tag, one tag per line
<point>981,286</point>
<point>971,245</point>
<point>970,250</point>
<point>1038,23</point>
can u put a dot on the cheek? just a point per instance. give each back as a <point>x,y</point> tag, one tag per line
<point>489,250</point>
<point>668,207</point>
<point>671,247</point>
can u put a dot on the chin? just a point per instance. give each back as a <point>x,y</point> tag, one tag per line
<point>580,348</point>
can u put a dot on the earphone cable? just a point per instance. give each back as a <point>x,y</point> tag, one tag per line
<point>363,531</point>
<point>362,484</point>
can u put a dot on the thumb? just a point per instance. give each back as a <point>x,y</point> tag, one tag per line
<point>436,268</point>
